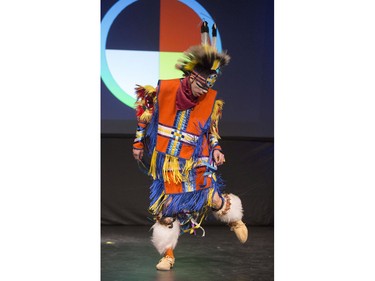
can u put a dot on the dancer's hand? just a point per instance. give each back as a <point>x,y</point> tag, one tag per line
<point>138,154</point>
<point>219,157</point>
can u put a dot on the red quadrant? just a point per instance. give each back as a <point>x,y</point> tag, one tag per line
<point>179,26</point>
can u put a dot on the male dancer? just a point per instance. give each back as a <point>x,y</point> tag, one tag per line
<point>180,121</point>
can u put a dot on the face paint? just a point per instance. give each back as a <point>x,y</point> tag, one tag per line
<point>204,83</point>
<point>203,87</point>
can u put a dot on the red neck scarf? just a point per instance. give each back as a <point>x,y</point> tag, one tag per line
<point>185,98</point>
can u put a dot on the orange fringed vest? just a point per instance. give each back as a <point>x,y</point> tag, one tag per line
<point>181,142</point>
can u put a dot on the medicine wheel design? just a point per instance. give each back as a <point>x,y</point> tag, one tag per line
<point>150,37</point>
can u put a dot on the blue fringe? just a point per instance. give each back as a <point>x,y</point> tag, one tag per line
<point>156,189</point>
<point>192,201</point>
<point>152,130</point>
<point>189,201</point>
<point>160,158</point>
<point>219,184</point>
<point>204,131</point>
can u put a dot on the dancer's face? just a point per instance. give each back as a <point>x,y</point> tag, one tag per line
<point>198,86</point>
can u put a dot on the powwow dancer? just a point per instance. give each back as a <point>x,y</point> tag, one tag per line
<point>179,120</point>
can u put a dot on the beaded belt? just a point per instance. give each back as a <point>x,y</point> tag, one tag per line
<point>177,135</point>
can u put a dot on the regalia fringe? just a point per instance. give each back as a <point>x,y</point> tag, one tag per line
<point>215,116</point>
<point>204,132</point>
<point>152,130</point>
<point>168,167</point>
<point>157,196</point>
<point>171,204</point>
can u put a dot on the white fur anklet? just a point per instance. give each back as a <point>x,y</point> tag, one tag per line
<point>232,209</point>
<point>165,237</point>
<point>232,213</point>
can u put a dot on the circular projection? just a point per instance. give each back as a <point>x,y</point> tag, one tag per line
<point>125,65</point>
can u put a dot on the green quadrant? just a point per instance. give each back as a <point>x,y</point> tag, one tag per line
<point>167,69</point>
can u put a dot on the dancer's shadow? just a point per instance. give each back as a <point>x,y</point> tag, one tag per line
<point>165,276</point>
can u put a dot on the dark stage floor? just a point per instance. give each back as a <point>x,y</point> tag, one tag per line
<point>128,255</point>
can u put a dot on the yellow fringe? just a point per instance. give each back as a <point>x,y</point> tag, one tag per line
<point>210,197</point>
<point>171,167</point>
<point>187,168</point>
<point>214,177</point>
<point>218,107</point>
<point>215,116</point>
<point>146,116</point>
<point>159,204</point>
<point>152,170</point>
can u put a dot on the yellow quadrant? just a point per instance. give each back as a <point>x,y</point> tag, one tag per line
<point>167,69</point>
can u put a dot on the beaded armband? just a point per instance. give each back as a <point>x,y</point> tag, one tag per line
<point>139,136</point>
<point>214,142</point>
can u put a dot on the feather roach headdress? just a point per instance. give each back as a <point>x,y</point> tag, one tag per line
<point>204,60</point>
